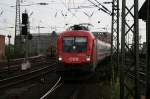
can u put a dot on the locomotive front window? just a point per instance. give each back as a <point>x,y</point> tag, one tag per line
<point>81,44</point>
<point>67,43</point>
<point>74,44</point>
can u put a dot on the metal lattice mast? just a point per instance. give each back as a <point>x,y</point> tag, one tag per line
<point>17,19</point>
<point>115,38</point>
<point>148,51</point>
<point>129,50</point>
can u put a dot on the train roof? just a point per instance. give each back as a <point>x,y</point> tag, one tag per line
<point>77,33</point>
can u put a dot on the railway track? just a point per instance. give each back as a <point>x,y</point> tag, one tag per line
<point>62,90</point>
<point>19,60</point>
<point>56,85</point>
<point>16,62</point>
<point>15,68</point>
<point>11,81</point>
<point>141,71</point>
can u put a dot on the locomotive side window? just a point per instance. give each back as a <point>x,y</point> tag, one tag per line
<point>74,44</point>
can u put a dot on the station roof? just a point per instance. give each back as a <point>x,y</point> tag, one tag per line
<point>143,11</point>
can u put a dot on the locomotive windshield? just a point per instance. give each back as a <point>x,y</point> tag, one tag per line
<point>74,44</point>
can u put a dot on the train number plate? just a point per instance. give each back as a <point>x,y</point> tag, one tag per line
<point>73,59</point>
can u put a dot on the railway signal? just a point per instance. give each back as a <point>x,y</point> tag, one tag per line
<point>25,32</point>
<point>24,18</point>
<point>25,25</point>
<point>24,29</point>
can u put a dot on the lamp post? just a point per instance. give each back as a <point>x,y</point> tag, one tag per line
<point>8,55</point>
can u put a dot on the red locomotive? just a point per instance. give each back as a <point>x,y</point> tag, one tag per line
<point>77,48</point>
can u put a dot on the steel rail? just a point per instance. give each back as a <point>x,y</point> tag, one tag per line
<point>25,77</point>
<point>16,66</point>
<point>57,84</point>
<point>74,95</point>
<point>132,76</point>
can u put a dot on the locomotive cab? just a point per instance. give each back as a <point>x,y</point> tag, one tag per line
<point>74,49</point>
<point>79,49</point>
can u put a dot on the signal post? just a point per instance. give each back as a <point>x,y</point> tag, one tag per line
<point>25,33</point>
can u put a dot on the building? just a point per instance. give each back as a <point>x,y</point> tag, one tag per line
<point>39,43</point>
<point>2,47</point>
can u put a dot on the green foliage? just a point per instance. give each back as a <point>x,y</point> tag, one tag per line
<point>12,53</point>
<point>116,94</point>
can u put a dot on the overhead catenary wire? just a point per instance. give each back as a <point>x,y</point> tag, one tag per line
<point>89,15</point>
<point>69,12</point>
<point>68,9</point>
<point>68,4</point>
<point>103,6</point>
<point>5,5</point>
<point>81,5</point>
<point>6,8</point>
<point>1,12</point>
<point>104,10</point>
<point>6,30</point>
<point>5,21</point>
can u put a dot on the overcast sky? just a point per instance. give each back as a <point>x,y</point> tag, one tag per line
<point>57,14</point>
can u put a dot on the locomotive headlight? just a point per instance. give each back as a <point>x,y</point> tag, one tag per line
<point>88,58</point>
<point>60,59</point>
